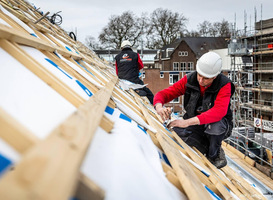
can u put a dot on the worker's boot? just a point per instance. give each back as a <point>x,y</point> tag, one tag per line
<point>220,161</point>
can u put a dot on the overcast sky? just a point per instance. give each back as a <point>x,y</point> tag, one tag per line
<point>89,17</point>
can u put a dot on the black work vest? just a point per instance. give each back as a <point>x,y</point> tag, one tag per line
<point>127,64</point>
<point>194,101</point>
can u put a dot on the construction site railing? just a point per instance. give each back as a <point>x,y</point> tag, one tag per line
<point>248,151</point>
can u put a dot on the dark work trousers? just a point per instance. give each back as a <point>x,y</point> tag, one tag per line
<point>206,138</point>
<point>145,92</point>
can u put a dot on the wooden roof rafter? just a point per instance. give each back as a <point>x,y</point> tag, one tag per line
<point>84,122</point>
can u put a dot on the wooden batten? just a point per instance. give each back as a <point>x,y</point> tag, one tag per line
<point>188,179</point>
<point>21,139</point>
<point>175,181</point>
<point>223,180</point>
<point>87,190</point>
<point>41,72</point>
<point>15,134</point>
<point>25,39</point>
<point>36,175</point>
<point>106,124</point>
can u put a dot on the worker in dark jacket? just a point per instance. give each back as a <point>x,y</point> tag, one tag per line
<point>208,118</point>
<point>128,65</point>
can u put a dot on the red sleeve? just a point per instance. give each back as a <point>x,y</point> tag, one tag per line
<point>172,92</point>
<point>219,110</point>
<point>116,68</point>
<point>140,63</point>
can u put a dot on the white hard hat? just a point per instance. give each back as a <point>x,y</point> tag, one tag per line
<point>209,65</point>
<point>125,43</point>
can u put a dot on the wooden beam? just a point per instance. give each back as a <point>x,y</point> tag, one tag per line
<point>39,70</point>
<point>50,170</point>
<point>106,124</point>
<point>149,119</point>
<point>188,179</point>
<point>250,169</point>
<point>71,71</point>
<point>242,184</point>
<point>21,139</point>
<point>222,178</point>
<point>15,134</point>
<point>87,189</point>
<point>21,37</point>
<point>12,23</point>
<point>175,181</point>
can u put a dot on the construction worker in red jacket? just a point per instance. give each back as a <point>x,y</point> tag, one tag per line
<point>208,117</point>
<point>128,65</point>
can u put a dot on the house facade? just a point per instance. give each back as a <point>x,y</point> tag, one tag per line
<point>175,60</point>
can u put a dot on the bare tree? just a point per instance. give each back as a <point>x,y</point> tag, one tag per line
<point>165,27</point>
<point>119,28</point>
<point>204,28</point>
<point>91,42</point>
<point>217,29</point>
<point>224,29</point>
<point>192,33</point>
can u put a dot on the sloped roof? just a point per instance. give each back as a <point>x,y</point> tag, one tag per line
<point>68,124</point>
<point>199,45</point>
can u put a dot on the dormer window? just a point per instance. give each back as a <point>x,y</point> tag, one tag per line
<point>158,54</point>
<point>169,51</point>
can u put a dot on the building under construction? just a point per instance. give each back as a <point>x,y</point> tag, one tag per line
<point>70,129</point>
<point>252,71</point>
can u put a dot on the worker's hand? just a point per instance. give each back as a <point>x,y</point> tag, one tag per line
<point>165,113</point>
<point>182,123</point>
<point>179,123</point>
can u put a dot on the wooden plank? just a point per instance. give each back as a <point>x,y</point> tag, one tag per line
<point>21,139</point>
<point>252,170</point>
<point>213,181</point>
<point>245,186</point>
<point>21,37</point>
<point>154,139</point>
<point>175,181</point>
<point>188,179</point>
<point>71,71</point>
<point>87,189</point>
<point>250,161</point>
<point>149,119</point>
<point>222,178</point>
<point>106,124</point>
<point>188,151</point>
<point>50,170</point>
<point>15,134</point>
<point>24,38</point>
<point>34,66</point>
<point>12,23</point>
<point>167,168</point>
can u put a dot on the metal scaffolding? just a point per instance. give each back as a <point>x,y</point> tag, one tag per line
<point>251,54</point>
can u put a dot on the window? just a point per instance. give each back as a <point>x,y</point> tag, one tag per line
<point>175,66</point>
<point>183,66</point>
<point>173,78</point>
<point>176,100</point>
<point>190,66</point>
<point>162,75</point>
<point>182,53</point>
